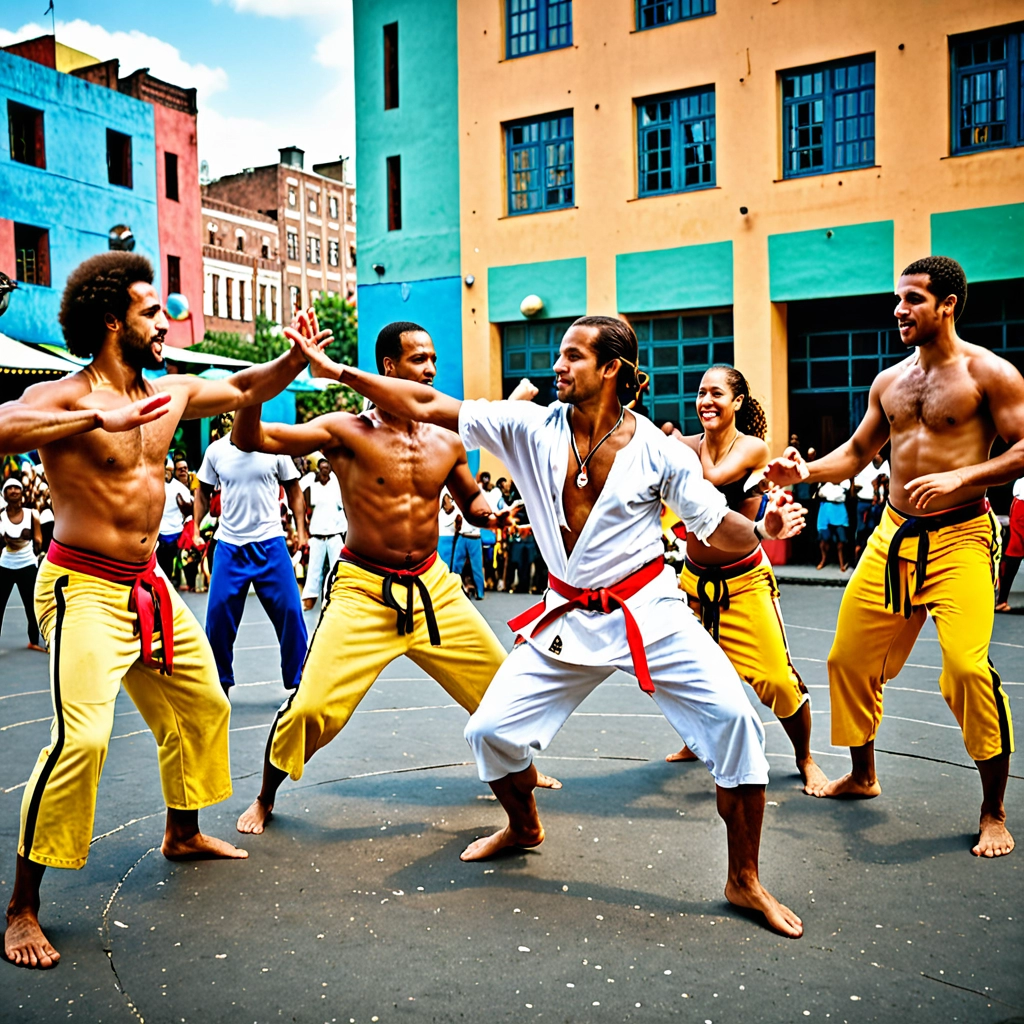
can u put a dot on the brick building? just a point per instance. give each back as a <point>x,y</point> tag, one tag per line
<point>241,262</point>
<point>315,215</point>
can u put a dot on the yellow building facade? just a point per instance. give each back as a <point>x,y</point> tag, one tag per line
<point>809,150</point>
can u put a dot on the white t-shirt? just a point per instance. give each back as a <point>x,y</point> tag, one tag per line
<point>495,499</point>
<point>833,492</point>
<point>250,488</point>
<point>865,479</point>
<point>23,555</point>
<point>623,530</point>
<point>328,511</point>
<point>171,522</point>
<point>446,520</point>
<point>1018,489</point>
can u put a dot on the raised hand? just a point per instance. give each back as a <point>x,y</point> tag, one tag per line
<point>128,417</point>
<point>312,347</point>
<point>306,324</point>
<point>924,489</point>
<point>525,391</point>
<point>783,517</point>
<point>789,468</point>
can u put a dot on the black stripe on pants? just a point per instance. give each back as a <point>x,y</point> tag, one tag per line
<point>25,580</point>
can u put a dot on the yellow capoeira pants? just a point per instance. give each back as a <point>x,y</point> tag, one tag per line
<point>356,638</point>
<point>94,647</point>
<point>873,641</point>
<point>739,606</point>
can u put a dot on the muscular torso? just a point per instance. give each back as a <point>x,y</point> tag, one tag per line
<point>107,489</point>
<point>938,421</point>
<point>391,480</point>
<point>578,502</point>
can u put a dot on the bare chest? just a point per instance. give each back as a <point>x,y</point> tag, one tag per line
<point>395,462</point>
<point>940,400</point>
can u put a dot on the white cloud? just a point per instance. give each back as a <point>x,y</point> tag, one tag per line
<point>134,50</point>
<point>290,8</point>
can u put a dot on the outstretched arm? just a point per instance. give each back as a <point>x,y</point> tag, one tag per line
<point>42,416</point>
<point>254,384</point>
<point>848,459</point>
<point>251,434</point>
<point>402,398</point>
<point>468,496</point>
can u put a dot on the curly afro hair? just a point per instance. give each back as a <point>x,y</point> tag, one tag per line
<point>97,287</point>
<point>947,278</point>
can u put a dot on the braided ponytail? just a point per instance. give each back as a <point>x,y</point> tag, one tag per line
<point>750,419</point>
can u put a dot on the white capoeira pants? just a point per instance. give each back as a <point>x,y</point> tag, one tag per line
<point>321,548</point>
<point>696,687</point>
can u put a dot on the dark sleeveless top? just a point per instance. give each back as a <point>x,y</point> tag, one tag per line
<point>734,494</point>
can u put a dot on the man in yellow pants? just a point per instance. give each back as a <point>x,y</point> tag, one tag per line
<point>108,615</point>
<point>390,593</point>
<point>936,547</point>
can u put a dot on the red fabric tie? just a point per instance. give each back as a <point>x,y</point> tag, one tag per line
<point>600,599</point>
<point>149,598</point>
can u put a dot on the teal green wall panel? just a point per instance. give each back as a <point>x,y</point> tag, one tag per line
<point>855,259</point>
<point>689,277</point>
<point>562,284</point>
<point>988,242</point>
<point>423,130</point>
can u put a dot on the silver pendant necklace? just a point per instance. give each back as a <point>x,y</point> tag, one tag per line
<point>581,476</point>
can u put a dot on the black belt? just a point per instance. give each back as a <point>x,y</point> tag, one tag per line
<point>920,527</point>
<point>713,588</point>
<point>408,578</point>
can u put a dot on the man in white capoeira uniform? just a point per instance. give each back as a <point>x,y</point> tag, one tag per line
<point>594,476</point>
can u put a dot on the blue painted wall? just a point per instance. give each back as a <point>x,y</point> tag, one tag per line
<point>422,260</point>
<point>71,197</point>
<point>435,305</point>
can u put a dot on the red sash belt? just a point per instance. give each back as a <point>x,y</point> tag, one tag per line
<point>601,599</point>
<point>150,598</point>
<point>408,578</point>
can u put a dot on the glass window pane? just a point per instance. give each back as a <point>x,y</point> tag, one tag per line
<point>721,325</point>
<point>696,326</point>
<point>665,329</point>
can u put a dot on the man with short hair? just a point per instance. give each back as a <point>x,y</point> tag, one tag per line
<point>327,526</point>
<point>594,476</point>
<point>391,595</point>
<point>108,616</point>
<point>942,408</point>
<point>177,508</point>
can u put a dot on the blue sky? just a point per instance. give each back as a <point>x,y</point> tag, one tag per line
<point>269,73</point>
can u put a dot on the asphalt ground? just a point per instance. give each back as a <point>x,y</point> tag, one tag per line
<point>354,906</point>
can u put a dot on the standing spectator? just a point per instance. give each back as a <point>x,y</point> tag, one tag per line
<point>251,549</point>
<point>327,526</point>
<point>489,538</point>
<point>468,545</point>
<point>19,528</point>
<point>833,521</point>
<point>45,516</point>
<point>1014,548</point>
<point>868,489</point>
<point>448,522</point>
<point>177,508</point>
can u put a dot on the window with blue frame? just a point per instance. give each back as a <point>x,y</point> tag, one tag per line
<point>987,90</point>
<point>530,350</point>
<point>540,164</point>
<point>675,351</point>
<point>536,25</point>
<point>676,141</point>
<point>652,13</point>
<point>828,117</point>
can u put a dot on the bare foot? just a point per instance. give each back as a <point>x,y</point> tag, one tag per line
<point>995,839</point>
<point>255,817</point>
<point>756,897</point>
<point>36,647</point>
<point>814,778</point>
<point>307,603</point>
<point>25,945</point>
<point>821,564</point>
<point>849,788</point>
<point>547,781</point>
<point>843,568</point>
<point>503,840</point>
<point>1003,606</point>
<point>200,847</point>
<point>686,754</point>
